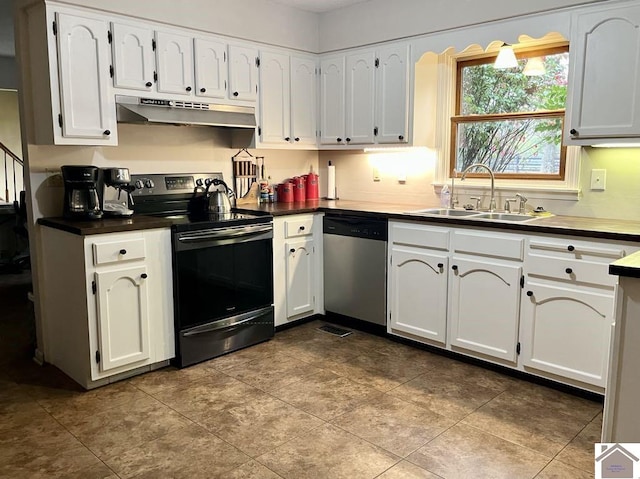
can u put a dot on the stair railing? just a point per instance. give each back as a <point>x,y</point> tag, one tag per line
<point>10,158</point>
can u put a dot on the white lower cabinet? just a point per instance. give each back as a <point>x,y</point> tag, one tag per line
<point>418,292</point>
<point>485,307</point>
<point>107,303</point>
<point>297,267</point>
<point>565,331</point>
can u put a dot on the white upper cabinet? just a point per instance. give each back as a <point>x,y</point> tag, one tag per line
<point>360,94</point>
<point>210,68</point>
<point>332,100</point>
<point>243,73</point>
<point>304,98</point>
<point>174,59</point>
<point>364,97</point>
<point>133,62</point>
<point>392,94</point>
<point>604,87</point>
<point>275,95</point>
<point>86,109</point>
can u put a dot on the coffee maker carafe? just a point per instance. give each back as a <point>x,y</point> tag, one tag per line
<point>120,180</point>
<point>81,199</point>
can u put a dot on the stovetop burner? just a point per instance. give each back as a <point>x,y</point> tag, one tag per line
<point>197,221</point>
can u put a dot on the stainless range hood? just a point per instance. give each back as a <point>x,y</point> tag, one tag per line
<point>150,110</point>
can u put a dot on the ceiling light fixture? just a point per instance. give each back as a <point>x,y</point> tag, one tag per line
<point>506,57</point>
<point>534,67</point>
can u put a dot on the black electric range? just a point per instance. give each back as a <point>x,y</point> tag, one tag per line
<point>222,267</point>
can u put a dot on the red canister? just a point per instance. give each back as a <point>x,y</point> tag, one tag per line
<point>311,185</point>
<point>299,189</point>
<point>285,192</point>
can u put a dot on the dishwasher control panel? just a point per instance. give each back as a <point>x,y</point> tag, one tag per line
<point>358,227</point>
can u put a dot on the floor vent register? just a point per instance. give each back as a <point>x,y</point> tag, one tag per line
<point>335,330</point>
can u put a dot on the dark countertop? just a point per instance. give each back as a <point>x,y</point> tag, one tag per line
<point>628,267</point>
<point>108,225</point>
<point>621,230</point>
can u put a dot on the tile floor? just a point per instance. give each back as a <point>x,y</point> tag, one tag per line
<point>303,405</point>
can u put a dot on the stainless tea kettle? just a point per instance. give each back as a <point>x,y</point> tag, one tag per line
<point>219,200</point>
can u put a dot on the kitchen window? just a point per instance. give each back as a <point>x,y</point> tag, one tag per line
<point>510,121</point>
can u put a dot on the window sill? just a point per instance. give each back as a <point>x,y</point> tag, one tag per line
<point>471,187</point>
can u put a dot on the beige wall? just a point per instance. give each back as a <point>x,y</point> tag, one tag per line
<point>354,181</point>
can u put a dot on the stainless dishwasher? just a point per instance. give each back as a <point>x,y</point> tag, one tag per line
<point>355,267</point>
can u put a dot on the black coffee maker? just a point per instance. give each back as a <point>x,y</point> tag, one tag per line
<point>81,185</point>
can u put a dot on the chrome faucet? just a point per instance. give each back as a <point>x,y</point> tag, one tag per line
<point>492,202</point>
<point>523,200</point>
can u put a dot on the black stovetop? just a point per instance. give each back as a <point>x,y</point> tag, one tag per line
<point>201,221</point>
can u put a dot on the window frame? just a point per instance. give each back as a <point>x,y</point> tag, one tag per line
<point>457,118</point>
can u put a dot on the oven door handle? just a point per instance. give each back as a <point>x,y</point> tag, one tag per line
<point>207,328</point>
<point>226,233</point>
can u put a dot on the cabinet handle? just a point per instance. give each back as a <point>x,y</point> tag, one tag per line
<point>348,140</point>
<point>440,265</point>
<point>573,131</point>
<point>148,84</point>
<point>107,132</point>
<point>401,137</point>
<point>338,140</point>
<point>188,88</point>
<point>235,93</point>
<point>292,250</point>
<point>203,90</point>
<point>454,267</point>
<point>302,228</point>
<point>143,275</point>
<point>529,293</point>
<point>571,247</point>
<point>123,251</point>
<point>568,271</point>
<point>297,139</point>
<point>287,138</point>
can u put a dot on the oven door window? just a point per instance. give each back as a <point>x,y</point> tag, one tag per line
<point>216,282</point>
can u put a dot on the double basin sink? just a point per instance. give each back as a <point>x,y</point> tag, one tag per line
<point>474,214</point>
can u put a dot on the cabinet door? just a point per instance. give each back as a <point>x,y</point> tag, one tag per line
<point>392,94</point>
<point>360,75</point>
<point>211,68</point>
<point>418,292</point>
<point>304,98</point>
<point>485,305</point>
<point>123,320</point>
<point>566,331</point>
<point>174,57</point>
<point>243,73</point>
<point>332,106</point>
<point>87,109</point>
<point>133,62</point>
<point>605,74</point>
<point>300,276</point>
<point>275,96</point>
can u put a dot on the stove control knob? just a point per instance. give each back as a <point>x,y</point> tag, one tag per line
<point>199,182</point>
<point>148,184</point>
<point>208,181</point>
<point>138,184</point>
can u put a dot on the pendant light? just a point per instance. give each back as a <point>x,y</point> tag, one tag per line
<point>506,57</point>
<point>534,67</point>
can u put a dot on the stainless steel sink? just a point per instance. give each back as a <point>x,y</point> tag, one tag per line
<point>445,212</point>
<point>511,217</point>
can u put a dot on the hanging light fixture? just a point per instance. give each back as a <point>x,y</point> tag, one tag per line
<point>506,57</point>
<point>534,67</point>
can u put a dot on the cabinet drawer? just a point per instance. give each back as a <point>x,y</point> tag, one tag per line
<point>421,236</point>
<point>298,227</point>
<point>578,250</point>
<point>573,270</point>
<point>487,244</point>
<point>118,251</point>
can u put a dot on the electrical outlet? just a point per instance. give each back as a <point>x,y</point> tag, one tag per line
<point>598,179</point>
<point>376,174</point>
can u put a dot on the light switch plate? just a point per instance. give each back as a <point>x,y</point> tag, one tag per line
<point>598,179</point>
<point>376,174</point>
